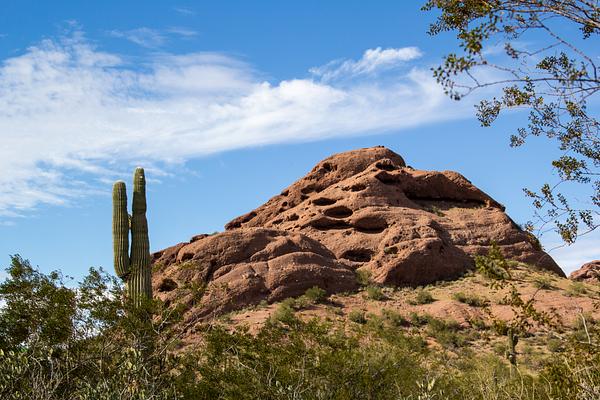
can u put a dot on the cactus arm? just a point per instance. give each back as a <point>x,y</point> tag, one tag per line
<point>140,283</point>
<point>120,229</point>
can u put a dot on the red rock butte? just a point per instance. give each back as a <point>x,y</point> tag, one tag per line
<point>362,209</point>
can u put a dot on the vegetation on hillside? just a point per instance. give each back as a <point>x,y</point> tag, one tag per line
<point>60,341</point>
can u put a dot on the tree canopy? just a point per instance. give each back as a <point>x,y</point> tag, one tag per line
<point>543,55</point>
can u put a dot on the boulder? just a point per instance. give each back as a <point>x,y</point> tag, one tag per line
<point>588,272</point>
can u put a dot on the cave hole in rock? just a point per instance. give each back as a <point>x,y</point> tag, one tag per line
<point>386,165</point>
<point>310,188</point>
<point>167,285</point>
<point>329,167</point>
<point>386,178</point>
<point>338,212</point>
<point>358,187</point>
<point>370,225</point>
<point>357,255</point>
<point>187,256</point>
<point>324,224</point>
<point>323,201</point>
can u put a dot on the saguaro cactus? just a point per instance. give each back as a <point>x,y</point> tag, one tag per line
<point>133,269</point>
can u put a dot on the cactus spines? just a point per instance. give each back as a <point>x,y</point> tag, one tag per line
<point>120,230</point>
<point>134,269</point>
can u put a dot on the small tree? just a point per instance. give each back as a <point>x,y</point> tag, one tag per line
<point>555,80</point>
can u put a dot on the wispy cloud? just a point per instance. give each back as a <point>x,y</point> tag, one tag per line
<point>373,60</point>
<point>152,38</point>
<point>184,11</point>
<point>145,37</point>
<point>73,117</point>
<point>183,32</point>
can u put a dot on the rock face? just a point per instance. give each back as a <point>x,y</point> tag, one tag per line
<point>589,272</point>
<point>219,273</point>
<point>360,209</point>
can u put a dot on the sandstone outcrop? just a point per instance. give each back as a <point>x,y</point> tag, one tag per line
<point>588,272</point>
<point>218,273</point>
<point>360,209</point>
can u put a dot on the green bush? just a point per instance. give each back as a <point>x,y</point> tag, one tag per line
<point>285,312</point>
<point>554,345</point>
<point>393,318</point>
<point>419,319</point>
<point>446,332</point>
<point>577,289</point>
<point>478,323</point>
<point>316,294</point>
<point>357,316</point>
<point>422,297</point>
<point>363,277</point>
<point>470,299</point>
<point>493,266</point>
<point>543,282</point>
<point>375,293</point>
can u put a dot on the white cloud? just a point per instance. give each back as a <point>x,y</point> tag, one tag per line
<point>145,37</point>
<point>73,117</point>
<point>184,11</point>
<point>373,60</point>
<point>152,38</point>
<point>183,32</point>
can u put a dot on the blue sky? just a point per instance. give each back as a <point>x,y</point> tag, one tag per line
<point>225,104</point>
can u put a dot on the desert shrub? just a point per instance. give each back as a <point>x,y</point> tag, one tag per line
<point>263,304</point>
<point>470,299</point>
<point>111,352</point>
<point>422,296</point>
<point>316,294</point>
<point>417,319</point>
<point>393,318</point>
<point>577,289</point>
<point>493,265</point>
<point>478,323</point>
<point>84,342</point>
<point>543,282</point>
<point>375,293</point>
<point>500,327</point>
<point>363,277</point>
<point>310,362</point>
<point>446,332</point>
<point>574,371</point>
<point>357,316</point>
<point>500,348</point>
<point>390,250</point>
<point>285,312</point>
<point>554,345</point>
<point>435,210</point>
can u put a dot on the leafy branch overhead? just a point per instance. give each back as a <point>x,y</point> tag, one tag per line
<point>557,82</point>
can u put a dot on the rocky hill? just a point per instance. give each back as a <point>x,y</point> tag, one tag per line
<point>360,210</point>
